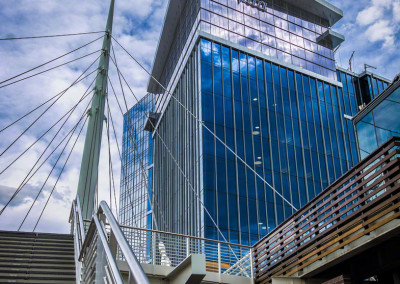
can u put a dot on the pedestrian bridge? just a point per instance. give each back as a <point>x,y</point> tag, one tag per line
<point>351,230</point>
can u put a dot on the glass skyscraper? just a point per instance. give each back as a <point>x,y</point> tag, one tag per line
<point>136,171</point>
<point>261,75</point>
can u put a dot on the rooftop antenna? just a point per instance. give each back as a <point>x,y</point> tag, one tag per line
<point>366,66</point>
<point>351,58</point>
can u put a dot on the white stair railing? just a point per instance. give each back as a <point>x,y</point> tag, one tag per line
<point>96,248</point>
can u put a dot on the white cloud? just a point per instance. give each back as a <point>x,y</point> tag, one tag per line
<point>369,15</point>
<point>396,11</point>
<point>382,30</point>
<point>372,29</point>
<point>136,25</point>
<point>382,3</point>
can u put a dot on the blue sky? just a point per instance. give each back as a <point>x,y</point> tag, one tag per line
<point>371,28</point>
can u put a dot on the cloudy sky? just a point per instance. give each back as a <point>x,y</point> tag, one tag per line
<point>371,29</point>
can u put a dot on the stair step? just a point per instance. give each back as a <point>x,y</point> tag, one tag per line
<point>36,276</point>
<point>32,265</point>
<point>35,235</point>
<point>12,246</point>
<point>34,255</point>
<point>56,271</point>
<point>36,281</point>
<point>16,244</point>
<point>35,240</point>
<point>34,250</point>
<point>37,260</point>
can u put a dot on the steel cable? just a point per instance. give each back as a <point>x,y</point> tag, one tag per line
<point>174,159</point>
<point>50,61</point>
<point>63,93</point>
<point>205,127</point>
<point>50,36</point>
<point>47,70</point>
<point>28,178</point>
<point>42,104</point>
<point>59,176</point>
<point>132,136</point>
<point>22,184</point>
<point>54,166</point>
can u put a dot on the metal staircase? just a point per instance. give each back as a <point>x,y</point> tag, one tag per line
<point>36,258</point>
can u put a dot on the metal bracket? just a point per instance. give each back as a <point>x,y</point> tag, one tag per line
<point>105,53</point>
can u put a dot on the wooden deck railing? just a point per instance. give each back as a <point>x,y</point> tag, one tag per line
<point>363,199</point>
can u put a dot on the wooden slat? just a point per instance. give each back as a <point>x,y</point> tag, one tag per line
<point>329,191</point>
<point>344,233</point>
<point>337,209</point>
<point>353,191</point>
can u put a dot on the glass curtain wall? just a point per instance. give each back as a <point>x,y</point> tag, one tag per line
<point>285,32</point>
<point>285,125</point>
<point>350,106</point>
<point>187,21</point>
<point>137,154</point>
<point>379,125</point>
<point>176,161</point>
<point>371,87</point>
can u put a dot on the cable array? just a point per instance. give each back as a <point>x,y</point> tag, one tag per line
<point>65,118</point>
<point>205,127</point>
<point>182,173</point>
<point>50,61</point>
<point>50,36</point>
<point>121,78</point>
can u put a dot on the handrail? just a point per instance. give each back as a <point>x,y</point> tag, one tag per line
<point>77,241</point>
<point>185,236</point>
<point>134,265</point>
<point>84,243</point>
<point>110,257</point>
<point>78,205</point>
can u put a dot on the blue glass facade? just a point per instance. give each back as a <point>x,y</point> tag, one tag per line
<point>371,87</point>
<point>277,32</point>
<point>287,126</point>
<point>380,122</point>
<point>136,168</point>
<point>264,84</point>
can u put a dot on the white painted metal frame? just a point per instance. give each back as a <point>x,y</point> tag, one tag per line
<point>95,250</point>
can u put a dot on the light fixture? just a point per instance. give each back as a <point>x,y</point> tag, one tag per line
<point>255,99</point>
<point>257,163</point>
<point>256,132</point>
<point>259,158</point>
<point>257,127</point>
<point>260,223</point>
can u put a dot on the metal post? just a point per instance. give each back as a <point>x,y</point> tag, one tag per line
<point>251,265</point>
<point>187,247</point>
<point>91,153</point>
<point>153,241</point>
<point>101,256</point>
<point>219,258</point>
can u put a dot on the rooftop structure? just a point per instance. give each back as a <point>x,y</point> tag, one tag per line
<point>184,19</point>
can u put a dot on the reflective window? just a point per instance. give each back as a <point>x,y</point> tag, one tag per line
<point>137,154</point>
<point>286,126</point>
<point>380,124</point>
<point>275,33</point>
